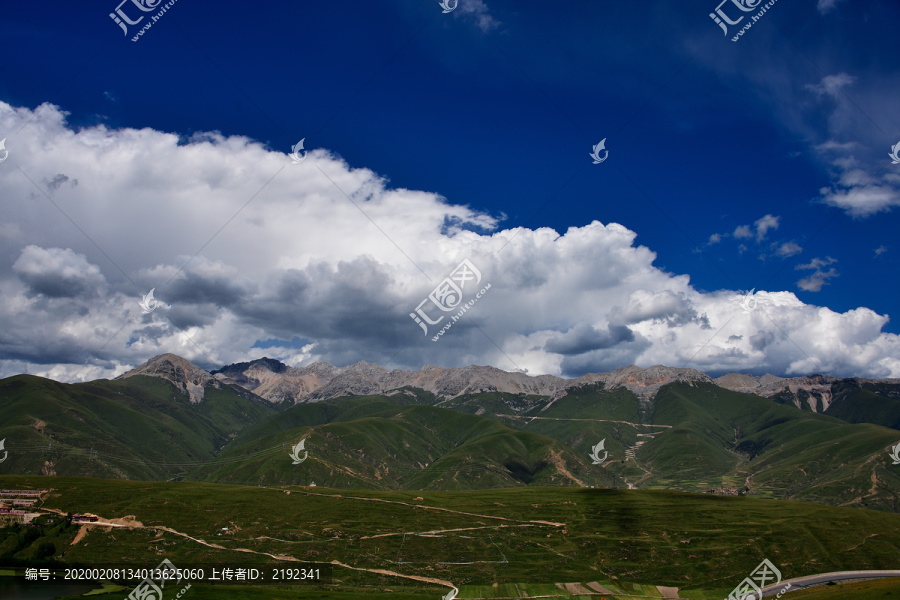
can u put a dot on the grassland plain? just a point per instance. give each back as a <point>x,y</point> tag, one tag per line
<point>702,544</point>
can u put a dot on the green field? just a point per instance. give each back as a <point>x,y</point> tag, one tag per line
<point>488,543</point>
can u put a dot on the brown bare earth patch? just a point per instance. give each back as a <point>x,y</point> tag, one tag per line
<point>557,461</point>
<point>127,520</point>
<point>668,592</point>
<point>864,540</point>
<point>599,588</point>
<point>576,589</point>
<point>873,491</point>
<point>82,531</point>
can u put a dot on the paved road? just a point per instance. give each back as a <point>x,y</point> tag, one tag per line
<point>799,583</point>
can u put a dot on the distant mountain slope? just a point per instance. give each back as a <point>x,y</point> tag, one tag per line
<point>702,437</point>
<point>374,443</point>
<point>866,401</point>
<point>855,399</point>
<point>696,437</point>
<point>278,383</point>
<point>283,386</point>
<point>461,429</point>
<point>772,449</point>
<point>188,378</point>
<point>137,428</point>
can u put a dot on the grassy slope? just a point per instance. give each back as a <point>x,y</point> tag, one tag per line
<point>142,428</point>
<point>374,443</point>
<point>694,542</point>
<point>715,436</point>
<point>871,403</point>
<point>584,417</point>
<point>784,451</point>
<point>139,428</point>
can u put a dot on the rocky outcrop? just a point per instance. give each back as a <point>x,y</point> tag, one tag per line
<point>274,380</point>
<point>645,383</point>
<point>806,393</point>
<point>183,374</point>
<point>251,375</point>
<point>320,381</point>
<point>814,392</point>
<point>190,379</point>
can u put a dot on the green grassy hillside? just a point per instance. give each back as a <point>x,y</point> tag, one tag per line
<point>138,428</point>
<point>689,437</point>
<point>775,449</point>
<point>868,403</point>
<point>374,443</point>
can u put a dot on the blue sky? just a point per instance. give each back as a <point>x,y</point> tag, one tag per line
<point>758,164</point>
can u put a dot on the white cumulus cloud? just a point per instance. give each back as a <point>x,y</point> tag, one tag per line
<point>327,262</point>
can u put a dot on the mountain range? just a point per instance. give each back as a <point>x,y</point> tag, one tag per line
<point>817,438</point>
<point>280,384</point>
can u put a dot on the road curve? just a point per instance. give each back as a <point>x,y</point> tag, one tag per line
<point>799,583</point>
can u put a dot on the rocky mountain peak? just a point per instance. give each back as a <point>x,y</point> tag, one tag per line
<point>264,363</point>
<point>644,383</point>
<point>275,382</point>
<point>182,373</point>
<point>318,368</point>
<point>367,368</point>
<point>251,375</point>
